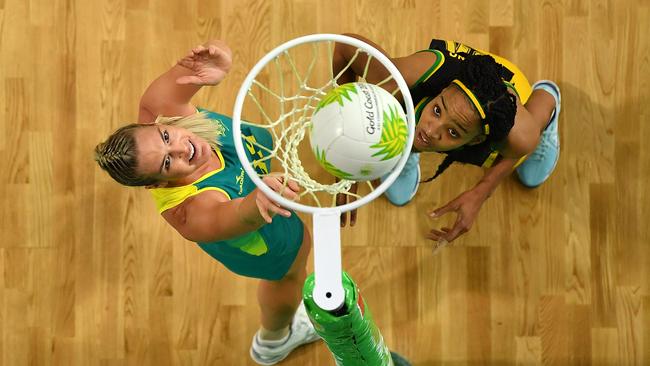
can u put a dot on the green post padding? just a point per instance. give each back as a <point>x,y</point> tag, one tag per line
<point>350,333</point>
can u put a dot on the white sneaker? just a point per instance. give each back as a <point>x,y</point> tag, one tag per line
<point>301,332</point>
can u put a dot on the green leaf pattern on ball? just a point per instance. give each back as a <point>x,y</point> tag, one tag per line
<point>320,155</point>
<point>338,94</point>
<point>393,135</point>
<point>365,171</point>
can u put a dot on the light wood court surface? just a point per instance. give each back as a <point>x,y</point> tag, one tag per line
<point>91,275</point>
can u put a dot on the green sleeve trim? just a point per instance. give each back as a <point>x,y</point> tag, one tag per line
<point>440,60</point>
<point>512,87</point>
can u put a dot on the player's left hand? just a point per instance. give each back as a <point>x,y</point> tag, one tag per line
<point>210,63</point>
<point>466,206</point>
<point>268,207</point>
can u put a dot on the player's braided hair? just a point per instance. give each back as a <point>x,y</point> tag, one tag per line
<point>484,77</point>
<point>118,157</point>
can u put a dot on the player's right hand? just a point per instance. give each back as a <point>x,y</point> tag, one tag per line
<point>210,63</point>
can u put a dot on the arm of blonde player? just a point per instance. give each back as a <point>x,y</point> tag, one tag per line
<point>211,216</point>
<point>266,207</point>
<point>171,92</point>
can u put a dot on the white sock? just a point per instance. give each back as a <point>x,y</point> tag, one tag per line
<point>273,343</point>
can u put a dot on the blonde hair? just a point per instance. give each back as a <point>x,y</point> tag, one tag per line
<point>118,154</point>
<point>199,124</point>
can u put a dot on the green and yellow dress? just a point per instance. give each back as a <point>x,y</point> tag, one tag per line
<point>266,253</point>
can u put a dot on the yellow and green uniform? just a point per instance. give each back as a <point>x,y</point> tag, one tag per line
<point>450,58</point>
<point>265,253</point>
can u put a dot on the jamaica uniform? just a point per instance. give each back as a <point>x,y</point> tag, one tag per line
<point>447,68</point>
<point>266,253</point>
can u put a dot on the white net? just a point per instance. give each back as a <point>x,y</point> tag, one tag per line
<point>279,96</point>
<point>282,99</point>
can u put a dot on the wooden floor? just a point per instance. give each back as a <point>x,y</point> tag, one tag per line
<point>91,275</point>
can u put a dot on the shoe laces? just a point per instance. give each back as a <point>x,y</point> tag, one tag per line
<point>302,324</point>
<point>547,142</point>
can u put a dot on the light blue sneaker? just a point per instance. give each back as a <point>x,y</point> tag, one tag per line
<point>406,185</point>
<point>540,164</point>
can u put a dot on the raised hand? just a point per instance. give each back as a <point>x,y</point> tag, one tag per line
<point>267,207</point>
<point>209,62</point>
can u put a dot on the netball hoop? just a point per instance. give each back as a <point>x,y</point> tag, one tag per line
<point>282,91</point>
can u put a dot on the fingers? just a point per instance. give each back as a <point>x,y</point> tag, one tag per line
<point>198,49</point>
<point>446,235</point>
<point>290,190</point>
<point>287,192</point>
<point>451,206</point>
<point>353,213</point>
<point>265,206</point>
<point>211,50</point>
<point>436,235</point>
<point>201,50</point>
<point>439,245</point>
<point>342,199</point>
<point>264,212</point>
<point>197,53</point>
<point>439,237</point>
<point>294,186</point>
<point>460,228</point>
<point>188,79</point>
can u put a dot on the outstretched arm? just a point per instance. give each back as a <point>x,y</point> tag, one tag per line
<point>468,204</point>
<point>522,140</point>
<point>210,216</point>
<point>171,92</point>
